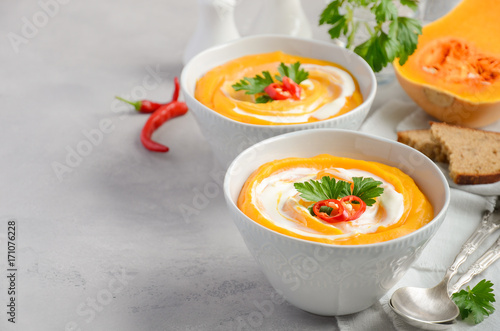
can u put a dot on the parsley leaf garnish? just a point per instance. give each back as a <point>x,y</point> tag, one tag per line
<point>322,209</point>
<point>254,85</point>
<point>324,189</point>
<point>328,188</point>
<point>257,84</point>
<point>391,36</point>
<point>366,189</point>
<point>475,304</point>
<point>263,99</point>
<point>294,72</point>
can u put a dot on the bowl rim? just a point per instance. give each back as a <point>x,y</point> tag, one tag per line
<point>396,241</point>
<point>366,102</point>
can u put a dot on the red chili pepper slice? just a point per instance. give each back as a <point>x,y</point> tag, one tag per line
<point>160,116</point>
<point>357,209</point>
<point>343,209</point>
<point>292,87</point>
<point>338,214</point>
<point>147,106</point>
<point>276,92</point>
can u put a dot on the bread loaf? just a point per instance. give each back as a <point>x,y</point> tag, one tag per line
<point>473,155</point>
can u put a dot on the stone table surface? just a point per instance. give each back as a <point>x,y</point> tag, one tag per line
<point>102,242</point>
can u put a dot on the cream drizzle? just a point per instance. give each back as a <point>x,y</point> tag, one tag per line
<point>338,78</point>
<point>271,194</point>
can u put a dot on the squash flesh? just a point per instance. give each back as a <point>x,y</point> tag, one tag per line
<point>472,72</point>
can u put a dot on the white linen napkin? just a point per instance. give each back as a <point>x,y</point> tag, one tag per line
<point>464,214</point>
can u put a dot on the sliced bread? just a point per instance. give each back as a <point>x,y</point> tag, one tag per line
<point>422,140</point>
<point>473,155</point>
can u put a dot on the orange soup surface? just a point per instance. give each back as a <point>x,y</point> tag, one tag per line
<point>328,91</point>
<point>269,197</point>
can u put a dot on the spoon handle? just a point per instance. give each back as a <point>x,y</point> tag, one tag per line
<point>487,226</point>
<point>487,259</point>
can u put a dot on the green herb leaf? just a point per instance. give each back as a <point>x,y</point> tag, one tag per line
<point>257,84</point>
<point>390,37</point>
<point>263,99</point>
<point>254,85</point>
<point>330,13</point>
<point>324,189</point>
<point>379,50</point>
<point>366,189</point>
<point>475,304</point>
<point>294,72</point>
<point>338,27</point>
<point>412,4</point>
<point>328,188</point>
<point>385,11</point>
<point>408,30</point>
<point>322,209</point>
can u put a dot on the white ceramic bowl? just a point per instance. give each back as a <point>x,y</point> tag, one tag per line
<point>329,279</point>
<point>228,137</point>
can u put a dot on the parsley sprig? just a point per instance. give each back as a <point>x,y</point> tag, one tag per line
<point>254,85</point>
<point>392,36</point>
<point>476,303</point>
<point>294,72</point>
<point>257,84</point>
<point>367,189</point>
<point>324,189</point>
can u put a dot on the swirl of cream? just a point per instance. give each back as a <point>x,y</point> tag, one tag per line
<point>277,199</point>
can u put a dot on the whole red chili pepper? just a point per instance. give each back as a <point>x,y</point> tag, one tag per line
<point>160,116</point>
<point>147,106</point>
<point>177,89</point>
<point>143,106</point>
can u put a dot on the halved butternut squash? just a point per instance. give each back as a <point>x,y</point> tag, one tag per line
<point>454,74</point>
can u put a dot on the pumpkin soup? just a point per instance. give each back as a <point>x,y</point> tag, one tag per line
<point>277,88</point>
<point>335,200</point>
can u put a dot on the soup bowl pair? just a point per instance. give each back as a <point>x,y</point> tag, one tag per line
<point>319,278</point>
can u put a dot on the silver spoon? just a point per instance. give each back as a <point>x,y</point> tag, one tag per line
<point>423,324</point>
<point>488,258</point>
<point>432,308</point>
